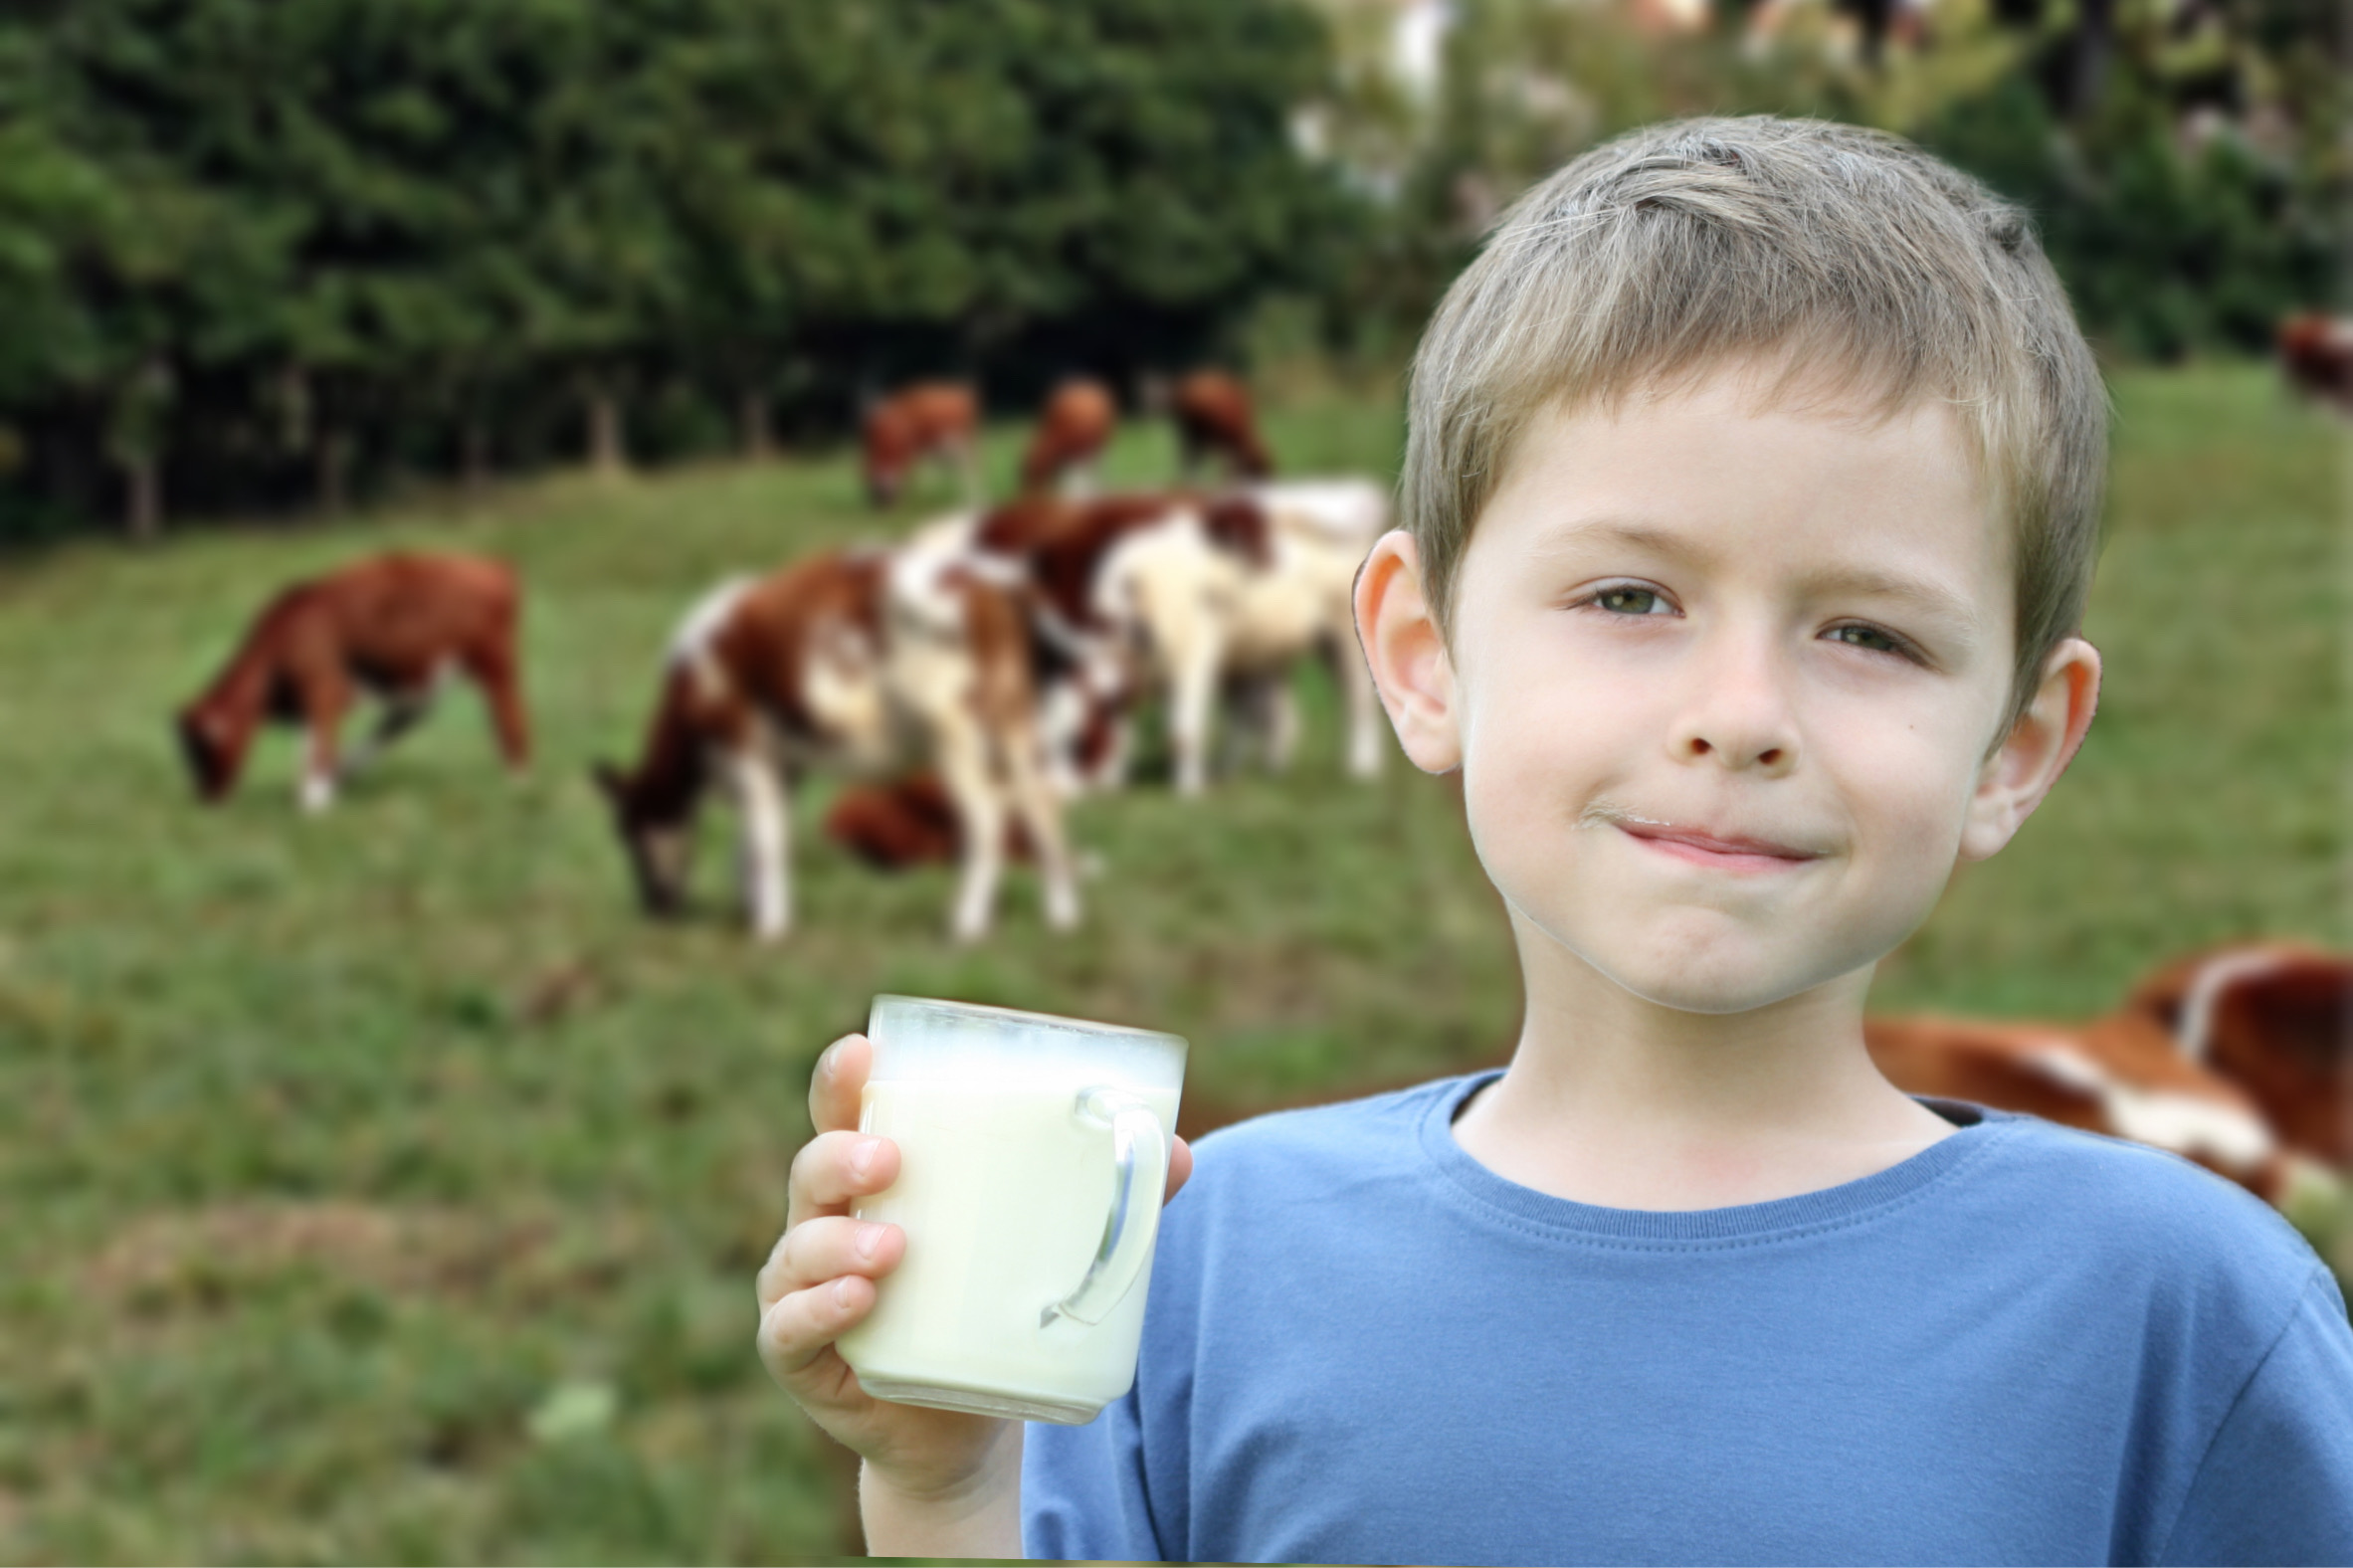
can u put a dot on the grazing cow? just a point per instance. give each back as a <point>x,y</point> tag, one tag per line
<point>1214,417</point>
<point>1072,432</point>
<point>1233,604</point>
<point>2276,1019</point>
<point>394,628</point>
<point>2120,1081</point>
<point>2317,352</point>
<point>937,419</point>
<point>862,662</point>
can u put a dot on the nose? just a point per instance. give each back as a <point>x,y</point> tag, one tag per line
<point>1739,715</point>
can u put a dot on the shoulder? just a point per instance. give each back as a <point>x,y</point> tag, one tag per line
<point>1319,1155</point>
<point>2136,1212</point>
<point>1357,1134</point>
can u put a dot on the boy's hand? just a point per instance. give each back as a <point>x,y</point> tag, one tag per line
<point>820,1282</point>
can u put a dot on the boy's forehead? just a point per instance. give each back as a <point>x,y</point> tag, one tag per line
<point>1682,469</point>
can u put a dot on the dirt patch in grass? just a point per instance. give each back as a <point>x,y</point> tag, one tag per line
<point>195,1260</point>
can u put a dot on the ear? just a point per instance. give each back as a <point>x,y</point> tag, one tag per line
<point>1408,653</point>
<point>2031,758</point>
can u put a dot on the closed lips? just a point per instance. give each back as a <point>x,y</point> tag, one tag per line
<point>1691,844</point>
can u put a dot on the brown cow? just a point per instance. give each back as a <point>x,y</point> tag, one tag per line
<point>850,661</point>
<point>912,821</point>
<point>938,420</point>
<point>2317,352</point>
<point>1072,432</point>
<point>1214,417</point>
<point>396,626</point>
<point>2105,1077</point>
<point>2276,1019</point>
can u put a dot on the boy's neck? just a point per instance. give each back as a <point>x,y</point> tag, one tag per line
<point>1618,1101</point>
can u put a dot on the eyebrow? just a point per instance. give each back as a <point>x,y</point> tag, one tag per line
<point>1922,594</point>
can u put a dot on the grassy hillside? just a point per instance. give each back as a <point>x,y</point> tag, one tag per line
<point>380,1186</point>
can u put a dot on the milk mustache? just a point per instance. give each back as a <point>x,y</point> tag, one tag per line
<point>1032,1151</point>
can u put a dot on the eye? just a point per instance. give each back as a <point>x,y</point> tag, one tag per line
<point>1872,639</point>
<point>1631,599</point>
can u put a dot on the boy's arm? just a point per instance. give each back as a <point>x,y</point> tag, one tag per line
<point>2276,1482</point>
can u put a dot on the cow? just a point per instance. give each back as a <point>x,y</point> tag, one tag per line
<point>2105,1077</point>
<point>856,661</point>
<point>909,821</point>
<point>2273,1017</point>
<point>1214,419</point>
<point>2316,354</point>
<point>395,628</point>
<point>1072,430</point>
<point>937,419</point>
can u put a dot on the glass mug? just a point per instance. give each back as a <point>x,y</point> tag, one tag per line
<point>1033,1155</point>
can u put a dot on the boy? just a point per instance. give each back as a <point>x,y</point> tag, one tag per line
<point>1751,487</point>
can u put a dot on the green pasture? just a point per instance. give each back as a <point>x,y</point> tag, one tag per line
<point>381,1187</point>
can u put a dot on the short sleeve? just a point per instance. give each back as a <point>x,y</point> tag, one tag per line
<point>2276,1482</point>
<point>1083,1490</point>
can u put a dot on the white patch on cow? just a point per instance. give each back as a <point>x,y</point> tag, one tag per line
<point>842,686</point>
<point>2193,1030</point>
<point>765,819</point>
<point>319,790</point>
<point>1348,511</point>
<point>2166,1118</point>
<point>691,643</point>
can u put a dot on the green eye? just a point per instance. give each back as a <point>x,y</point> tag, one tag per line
<point>1869,637</point>
<point>1629,601</point>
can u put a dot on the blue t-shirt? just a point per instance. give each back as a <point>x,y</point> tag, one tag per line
<point>2024,1344</point>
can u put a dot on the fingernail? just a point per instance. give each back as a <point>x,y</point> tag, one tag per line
<point>869,1238</point>
<point>862,1159</point>
<point>841,1291</point>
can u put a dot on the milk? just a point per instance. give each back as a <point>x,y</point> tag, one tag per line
<point>1006,1187</point>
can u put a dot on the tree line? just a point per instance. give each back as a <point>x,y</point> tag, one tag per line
<point>256,253</point>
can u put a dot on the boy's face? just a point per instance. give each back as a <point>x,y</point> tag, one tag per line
<point>1722,684</point>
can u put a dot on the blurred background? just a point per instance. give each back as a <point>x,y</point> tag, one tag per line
<point>379,1182</point>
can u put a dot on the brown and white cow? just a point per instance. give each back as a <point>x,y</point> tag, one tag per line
<point>2316,353</point>
<point>931,420</point>
<point>1072,430</point>
<point>395,628</point>
<point>862,662</point>
<point>2273,1017</point>
<point>2104,1077</point>
<point>1214,419</point>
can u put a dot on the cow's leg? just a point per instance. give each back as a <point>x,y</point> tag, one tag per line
<point>1039,813</point>
<point>402,712</point>
<point>1192,702</point>
<point>980,817</point>
<point>494,668</point>
<point>765,819</point>
<point>324,698</point>
<point>1279,720</point>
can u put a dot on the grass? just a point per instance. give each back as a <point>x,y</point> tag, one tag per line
<point>380,1187</point>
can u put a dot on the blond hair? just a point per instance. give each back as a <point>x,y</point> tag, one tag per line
<point>1874,269</point>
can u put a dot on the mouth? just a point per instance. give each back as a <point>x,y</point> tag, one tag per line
<point>1722,852</point>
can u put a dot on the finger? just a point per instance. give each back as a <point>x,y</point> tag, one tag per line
<point>820,1250</point>
<point>1180,1166</point>
<point>834,1085</point>
<point>835,1167</point>
<point>800,1328</point>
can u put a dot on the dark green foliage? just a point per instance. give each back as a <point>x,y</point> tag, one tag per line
<point>278,248</point>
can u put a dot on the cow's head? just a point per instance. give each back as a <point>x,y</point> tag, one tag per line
<point>658,837</point>
<point>213,744</point>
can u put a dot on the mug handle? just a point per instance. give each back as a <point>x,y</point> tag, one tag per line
<point>1139,1173</point>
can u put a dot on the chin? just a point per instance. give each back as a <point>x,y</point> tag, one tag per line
<point>1692,974</point>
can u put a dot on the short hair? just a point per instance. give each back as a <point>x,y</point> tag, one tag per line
<point>1655,257</point>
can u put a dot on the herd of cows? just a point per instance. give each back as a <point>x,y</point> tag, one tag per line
<point>980,673</point>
